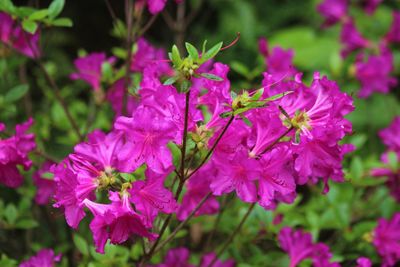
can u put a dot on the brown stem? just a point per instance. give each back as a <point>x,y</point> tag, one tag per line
<point>129,22</point>
<point>180,26</point>
<point>185,131</point>
<point>213,147</point>
<point>275,142</point>
<point>183,223</point>
<point>60,99</point>
<point>232,236</point>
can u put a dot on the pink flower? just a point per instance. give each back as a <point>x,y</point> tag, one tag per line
<point>278,61</point>
<point>387,240</point>
<point>371,5</point>
<point>299,246</point>
<point>207,259</point>
<point>364,262</point>
<point>394,33</point>
<point>177,257</point>
<point>351,39</point>
<point>277,177</point>
<point>374,74</point>
<point>391,135</point>
<point>6,26</point>
<point>147,54</point>
<point>65,196</point>
<point>148,135</point>
<point>44,258</point>
<point>239,174</point>
<point>12,34</point>
<point>197,188</point>
<point>116,94</point>
<point>151,197</point>
<point>90,69</point>
<point>156,6</point>
<point>25,42</point>
<point>116,221</point>
<point>45,186</point>
<point>333,10</point>
<point>13,152</point>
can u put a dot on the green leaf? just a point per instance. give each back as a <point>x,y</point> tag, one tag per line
<point>256,96</point>
<point>240,68</point>
<point>11,214</point>
<point>63,22</point>
<point>204,47</point>
<point>193,53</point>
<point>277,96</point>
<point>55,8</point>
<point>39,15</point>
<point>26,224</point>
<point>7,6</point>
<point>212,77</point>
<point>171,80</point>
<point>119,52</point>
<point>356,168</point>
<point>392,159</point>
<point>81,244</point>
<point>16,93</point>
<point>185,86</point>
<point>29,26</point>
<point>175,56</point>
<point>106,71</point>
<point>47,175</point>
<point>212,52</point>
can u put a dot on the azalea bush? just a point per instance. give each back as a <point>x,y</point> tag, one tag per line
<point>200,133</point>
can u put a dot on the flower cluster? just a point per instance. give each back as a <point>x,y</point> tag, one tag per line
<point>261,145</point>
<point>14,152</point>
<point>374,60</point>
<point>44,258</point>
<point>390,158</point>
<point>12,34</point>
<point>387,240</point>
<point>299,246</point>
<point>180,257</point>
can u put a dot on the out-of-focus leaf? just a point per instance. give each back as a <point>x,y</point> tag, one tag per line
<point>55,8</point>
<point>16,93</point>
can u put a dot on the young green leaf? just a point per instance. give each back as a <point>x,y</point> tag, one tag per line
<point>16,93</point>
<point>81,244</point>
<point>29,26</point>
<point>175,56</point>
<point>192,51</point>
<point>212,52</point>
<point>203,50</point>
<point>55,8</point>
<point>171,80</point>
<point>62,22</point>
<point>7,6</point>
<point>212,77</point>
<point>257,95</point>
<point>39,15</point>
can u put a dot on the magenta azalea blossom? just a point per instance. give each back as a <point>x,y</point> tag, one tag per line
<point>148,135</point>
<point>387,240</point>
<point>12,34</point>
<point>151,197</point>
<point>44,258</point>
<point>14,152</point>
<point>90,69</point>
<point>351,39</point>
<point>147,54</point>
<point>45,186</point>
<point>371,5</point>
<point>115,222</point>
<point>364,262</point>
<point>207,259</point>
<point>391,135</point>
<point>279,62</point>
<point>156,6</point>
<point>394,33</point>
<point>237,174</point>
<point>277,177</point>
<point>299,246</point>
<point>374,74</point>
<point>333,10</point>
<point>177,257</point>
<point>197,188</point>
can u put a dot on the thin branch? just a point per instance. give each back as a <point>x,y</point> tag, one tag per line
<point>110,10</point>
<point>232,236</point>
<point>184,137</point>
<point>129,22</point>
<point>183,223</point>
<point>275,142</point>
<point>212,148</point>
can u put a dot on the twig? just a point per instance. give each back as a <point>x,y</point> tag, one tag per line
<point>212,148</point>
<point>129,21</point>
<point>232,236</point>
<point>275,142</point>
<point>183,223</point>
<point>184,137</point>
